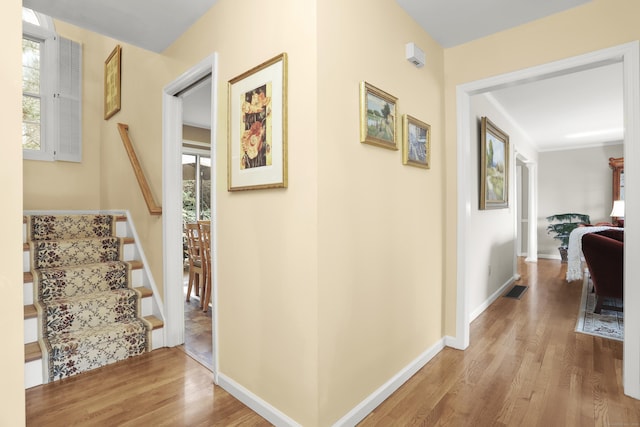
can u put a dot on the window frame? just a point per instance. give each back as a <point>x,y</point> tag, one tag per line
<point>46,36</point>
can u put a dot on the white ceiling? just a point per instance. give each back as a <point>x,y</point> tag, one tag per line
<point>150,24</point>
<point>453,22</point>
<point>546,111</point>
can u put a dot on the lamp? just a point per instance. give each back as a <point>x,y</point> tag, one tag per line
<point>618,212</point>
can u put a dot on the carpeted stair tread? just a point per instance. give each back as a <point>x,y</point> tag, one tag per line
<point>67,282</point>
<point>135,265</point>
<point>59,253</point>
<point>119,218</point>
<point>33,352</point>
<point>30,311</point>
<point>57,227</point>
<point>90,348</point>
<point>70,315</point>
<point>125,241</point>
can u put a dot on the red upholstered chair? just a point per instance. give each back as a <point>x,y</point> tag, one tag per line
<point>603,253</point>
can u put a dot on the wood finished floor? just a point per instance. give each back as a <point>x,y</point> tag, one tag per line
<point>197,332</point>
<point>525,367</point>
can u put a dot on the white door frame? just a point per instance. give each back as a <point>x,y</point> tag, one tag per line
<point>629,55</point>
<point>172,203</point>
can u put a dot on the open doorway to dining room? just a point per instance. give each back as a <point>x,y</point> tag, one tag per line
<point>189,182</point>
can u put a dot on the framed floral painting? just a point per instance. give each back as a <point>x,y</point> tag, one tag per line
<point>257,128</point>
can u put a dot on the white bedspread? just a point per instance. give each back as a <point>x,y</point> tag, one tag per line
<point>574,252</point>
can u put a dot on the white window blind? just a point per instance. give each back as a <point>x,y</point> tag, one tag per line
<point>68,102</point>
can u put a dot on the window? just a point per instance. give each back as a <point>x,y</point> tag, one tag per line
<point>51,95</point>
<point>196,186</point>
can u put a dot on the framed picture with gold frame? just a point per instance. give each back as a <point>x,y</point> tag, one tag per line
<point>494,166</point>
<point>257,128</point>
<point>112,69</point>
<point>416,143</point>
<point>377,117</point>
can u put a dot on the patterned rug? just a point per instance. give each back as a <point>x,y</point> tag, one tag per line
<point>88,312</point>
<point>608,324</point>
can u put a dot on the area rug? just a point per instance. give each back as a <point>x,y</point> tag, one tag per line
<point>608,324</point>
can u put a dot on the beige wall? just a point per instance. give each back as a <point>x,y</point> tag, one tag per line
<point>491,236</point>
<point>192,133</point>
<point>597,25</point>
<point>267,239</point>
<point>12,403</point>
<point>380,222</point>
<point>574,181</point>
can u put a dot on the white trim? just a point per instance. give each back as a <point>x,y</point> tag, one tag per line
<point>259,406</point>
<point>482,307</point>
<point>172,201</point>
<point>629,54</point>
<point>631,352</point>
<point>372,401</point>
<point>145,263</point>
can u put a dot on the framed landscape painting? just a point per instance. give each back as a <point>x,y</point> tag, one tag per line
<point>416,147</point>
<point>257,132</point>
<point>377,117</point>
<point>494,166</point>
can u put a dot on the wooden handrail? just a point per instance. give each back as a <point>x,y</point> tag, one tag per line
<point>154,209</point>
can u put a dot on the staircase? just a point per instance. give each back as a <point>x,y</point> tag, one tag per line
<point>91,324</point>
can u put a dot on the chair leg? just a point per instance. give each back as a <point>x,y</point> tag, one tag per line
<point>599,303</point>
<point>191,280</point>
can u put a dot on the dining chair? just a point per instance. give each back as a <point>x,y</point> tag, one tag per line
<point>196,266</point>
<point>205,235</point>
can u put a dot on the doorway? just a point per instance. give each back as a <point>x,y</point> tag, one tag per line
<point>196,206</point>
<point>174,106</point>
<point>629,56</point>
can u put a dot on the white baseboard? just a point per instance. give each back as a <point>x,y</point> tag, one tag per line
<point>365,407</point>
<point>354,416</point>
<point>549,256</point>
<point>262,408</point>
<point>478,311</point>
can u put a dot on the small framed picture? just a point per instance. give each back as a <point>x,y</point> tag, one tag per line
<point>377,117</point>
<point>112,70</point>
<point>416,145</point>
<point>257,144</point>
<point>494,166</point>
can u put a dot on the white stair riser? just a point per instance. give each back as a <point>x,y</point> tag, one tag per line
<point>30,330</point>
<point>157,339</point>
<point>33,373</point>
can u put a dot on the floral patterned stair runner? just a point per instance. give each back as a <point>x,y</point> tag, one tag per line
<point>88,314</point>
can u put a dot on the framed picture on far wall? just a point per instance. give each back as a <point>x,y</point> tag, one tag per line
<point>257,135</point>
<point>494,166</point>
<point>112,70</point>
<point>416,143</point>
<point>377,117</point>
